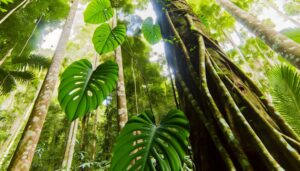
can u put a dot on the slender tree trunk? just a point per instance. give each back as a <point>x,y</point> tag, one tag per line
<point>283,15</point>
<point>70,146</point>
<point>232,126</point>
<point>7,147</point>
<point>278,42</point>
<point>239,36</point>
<point>6,56</point>
<point>12,11</point>
<point>264,55</point>
<point>135,89</point>
<point>95,128</point>
<point>84,138</point>
<point>121,94</point>
<point>242,56</point>
<point>25,151</point>
<point>107,135</point>
<point>235,46</point>
<point>30,36</point>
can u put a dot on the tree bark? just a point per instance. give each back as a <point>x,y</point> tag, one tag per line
<point>70,146</point>
<point>283,15</point>
<point>278,42</point>
<point>121,94</point>
<point>25,151</point>
<point>232,126</point>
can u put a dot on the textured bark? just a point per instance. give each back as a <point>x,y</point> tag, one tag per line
<point>283,15</point>
<point>25,151</point>
<point>121,94</point>
<point>232,126</point>
<point>278,42</point>
<point>70,146</point>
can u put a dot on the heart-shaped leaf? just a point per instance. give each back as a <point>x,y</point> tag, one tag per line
<point>83,89</point>
<point>145,145</point>
<point>98,11</point>
<point>106,39</point>
<point>151,31</point>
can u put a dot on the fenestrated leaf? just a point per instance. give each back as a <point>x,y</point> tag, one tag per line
<point>98,11</point>
<point>151,31</point>
<point>83,89</point>
<point>293,34</point>
<point>145,145</point>
<point>106,39</point>
<point>285,91</point>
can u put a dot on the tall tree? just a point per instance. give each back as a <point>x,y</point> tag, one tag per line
<point>70,146</point>
<point>279,12</point>
<point>278,42</point>
<point>233,127</point>
<point>121,94</point>
<point>25,151</point>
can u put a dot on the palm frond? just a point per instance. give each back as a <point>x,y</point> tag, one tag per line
<point>32,61</point>
<point>7,82</point>
<point>285,90</point>
<point>22,76</point>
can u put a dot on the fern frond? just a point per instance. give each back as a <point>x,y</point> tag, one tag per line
<point>285,91</point>
<point>7,82</point>
<point>32,61</point>
<point>22,76</point>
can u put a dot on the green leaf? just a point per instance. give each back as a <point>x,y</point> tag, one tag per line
<point>22,76</point>
<point>83,89</point>
<point>106,39</point>
<point>151,31</point>
<point>32,61</point>
<point>7,81</point>
<point>293,34</point>
<point>143,144</point>
<point>285,91</point>
<point>98,11</point>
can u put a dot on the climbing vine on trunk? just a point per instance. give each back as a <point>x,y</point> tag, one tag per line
<point>232,125</point>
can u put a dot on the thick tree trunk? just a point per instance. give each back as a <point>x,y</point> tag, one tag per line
<point>121,94</point>
<point>278,42</point>
<point>283,15</point>
<point>25,151</point>
<point>70,146</point>
<point>232,126</point>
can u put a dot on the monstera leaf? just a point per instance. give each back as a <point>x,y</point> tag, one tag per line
<point>144,144</point>
<point>83,89</point>
<point>151,31</point>
<point>98,11</point>
<point>106,39</point>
